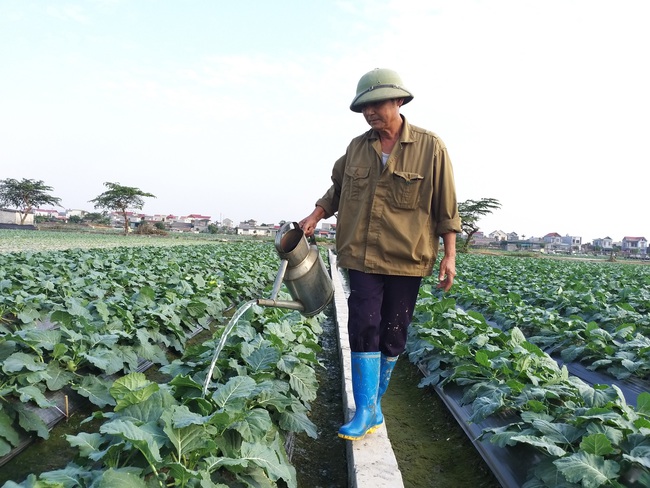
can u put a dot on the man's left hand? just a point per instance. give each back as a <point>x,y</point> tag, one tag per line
<point>447,273</point>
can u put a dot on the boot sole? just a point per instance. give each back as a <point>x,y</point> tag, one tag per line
<point>358,438</point>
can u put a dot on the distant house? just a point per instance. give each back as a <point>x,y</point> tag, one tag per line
<point>74,212</point>
<point>634,245</point>
<point>325,233</point>
<point>10,216</point>
<point>606,243</point>
<point>479,239</point>
<point>574,242</point>
<point>199,222</point>
<point>49,213</point>
<point>498,235</point>
<point>251,228</point>
<point>180,227</point>
<point>552,238</point>
<point>117,219</point>
<point>554,242</point>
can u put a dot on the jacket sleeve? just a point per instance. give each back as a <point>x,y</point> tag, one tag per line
<point>445,205</point>
<point>330,201</point>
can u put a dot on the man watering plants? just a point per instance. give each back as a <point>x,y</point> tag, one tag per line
<point>395,197</point>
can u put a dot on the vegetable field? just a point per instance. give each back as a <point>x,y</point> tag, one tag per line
<point>508,336</point>
<point>82,321</point>
<point>549,358</point>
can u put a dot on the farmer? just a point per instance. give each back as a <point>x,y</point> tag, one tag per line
<point>395,197</point>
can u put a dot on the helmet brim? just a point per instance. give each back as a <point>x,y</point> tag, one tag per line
<point>378,94</point>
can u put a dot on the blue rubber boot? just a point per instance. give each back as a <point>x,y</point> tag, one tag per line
<point>387,365</point>
<point>365,382</point>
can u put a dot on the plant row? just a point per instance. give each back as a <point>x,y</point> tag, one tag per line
<point>595,313</point>
<point>73,318</point>
<point>588,435</point>
<point>177,433</point>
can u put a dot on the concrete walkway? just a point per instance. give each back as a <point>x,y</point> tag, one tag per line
<point>371,461</point>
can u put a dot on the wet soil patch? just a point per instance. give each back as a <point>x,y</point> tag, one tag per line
<point>432,450</point>
<point>321,462</point>
<point>49,454</point>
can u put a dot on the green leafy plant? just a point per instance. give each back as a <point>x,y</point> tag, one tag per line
<point>588,435</point>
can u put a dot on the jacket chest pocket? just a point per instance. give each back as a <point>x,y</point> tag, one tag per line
<point>356,182</point>
<point>405,189</point>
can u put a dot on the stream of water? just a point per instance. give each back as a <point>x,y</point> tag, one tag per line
<point>224,337</point>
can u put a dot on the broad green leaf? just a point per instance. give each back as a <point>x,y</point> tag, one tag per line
<point>614,435</point>
<point>592,471</point>
<point>482,358</point>
<point>302,379</point>
<point>268,460</point>
<point>596,444</point>
<point>546,444</point>
<point>558,432</point>
<point>283,331</point>
<point>113,478</point>
<point>280,401</point>
<point>5,447</point>
<point>31,422</point>
<point>19,361</point>
<point>68,477</point>
<point>183,475</point>
<point>639,455</point>
<point>151,409</point>
<point>132,389</point>
<point>185,381</point>
<point>186,435</point>
<point>643,403</point>
<point>180,416</point>
<point>107,360</point>
<point>102,310</point>
<point>196,308</point>
<point>85,442</point>
<point>596,397</point>
<point>483,407</point>
<point>29,315</point>
<point>297,422</point>
<point>43,338</point>
<point>140,438</point>
<point>96,390</point>
<point>255,424</point>
<point>7,430</point>
<point>77,309</point>
<point>262,359</point>
<point>146,294</point>
<point>58,377</point>
<point>32,393</point>
<point>237,389</point>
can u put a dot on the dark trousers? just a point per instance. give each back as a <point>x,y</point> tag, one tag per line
<point>380,309</point>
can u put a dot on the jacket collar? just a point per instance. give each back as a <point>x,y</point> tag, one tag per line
<point>405,137</point>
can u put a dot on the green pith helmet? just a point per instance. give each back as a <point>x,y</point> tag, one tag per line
<point>378,85</point>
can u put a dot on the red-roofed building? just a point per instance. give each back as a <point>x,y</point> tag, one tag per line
<point>634,245</point>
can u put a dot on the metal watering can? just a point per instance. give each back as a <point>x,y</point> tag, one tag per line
<point>303,271</point>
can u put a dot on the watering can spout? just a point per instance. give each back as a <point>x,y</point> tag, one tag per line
<point>303,272</point>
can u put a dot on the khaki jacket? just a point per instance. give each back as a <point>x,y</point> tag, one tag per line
<point>390,219</point>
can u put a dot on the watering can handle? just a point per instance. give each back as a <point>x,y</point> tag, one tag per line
<point>311,238</point>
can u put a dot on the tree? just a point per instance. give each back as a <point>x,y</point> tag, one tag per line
<point>470,212</point>
<point>26,194</point>
<point>119,198</point>
<point>99,218</point>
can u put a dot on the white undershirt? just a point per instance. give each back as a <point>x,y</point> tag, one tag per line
<point>384,158</point>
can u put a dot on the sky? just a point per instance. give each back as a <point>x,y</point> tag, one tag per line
<point>238,109</point>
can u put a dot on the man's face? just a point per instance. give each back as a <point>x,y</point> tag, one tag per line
<point>382,115</point>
